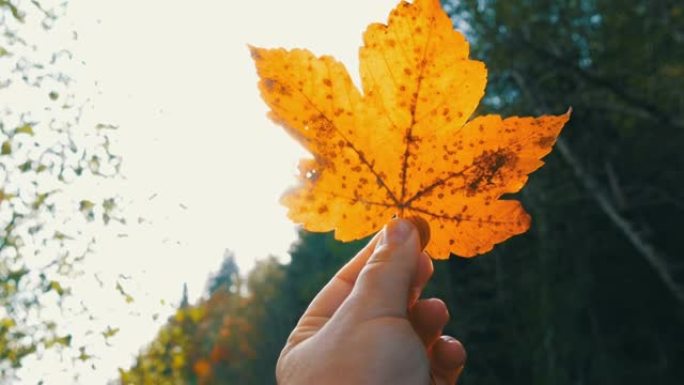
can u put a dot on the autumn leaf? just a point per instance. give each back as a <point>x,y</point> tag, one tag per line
<point>405,146</point>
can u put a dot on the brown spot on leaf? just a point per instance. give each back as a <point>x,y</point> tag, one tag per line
<point>269,84</point>
<point>546,141</point>
<point>486,167</point>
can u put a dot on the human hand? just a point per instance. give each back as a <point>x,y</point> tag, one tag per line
<point>367,326</point>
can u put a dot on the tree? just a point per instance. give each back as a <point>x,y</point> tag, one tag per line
<point>210,342</point>
<point>596,276</point>
<point>228,276</point>
<point>236,335</point>
<point>44,148</point>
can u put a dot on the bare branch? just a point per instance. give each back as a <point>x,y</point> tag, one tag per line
<point>647,250</point>
<point>654,258</point>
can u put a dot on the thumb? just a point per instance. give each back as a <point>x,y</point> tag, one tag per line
<point>383,285</point>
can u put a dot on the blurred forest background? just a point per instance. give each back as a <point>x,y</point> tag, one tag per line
<point>592,294</point>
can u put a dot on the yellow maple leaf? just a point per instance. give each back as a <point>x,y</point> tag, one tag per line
<point>405,147</point>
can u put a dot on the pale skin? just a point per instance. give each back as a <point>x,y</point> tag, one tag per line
<point>367,326</point>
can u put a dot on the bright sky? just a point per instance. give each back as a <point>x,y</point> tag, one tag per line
<point>203,165</point>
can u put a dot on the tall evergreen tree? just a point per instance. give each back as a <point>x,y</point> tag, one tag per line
<point>228,276</point>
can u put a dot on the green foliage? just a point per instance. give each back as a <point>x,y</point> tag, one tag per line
<point>44,148</point>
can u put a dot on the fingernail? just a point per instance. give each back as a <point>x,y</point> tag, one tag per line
<point>449,339</point>
<point>423,230</point>
<point>396,232</point>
